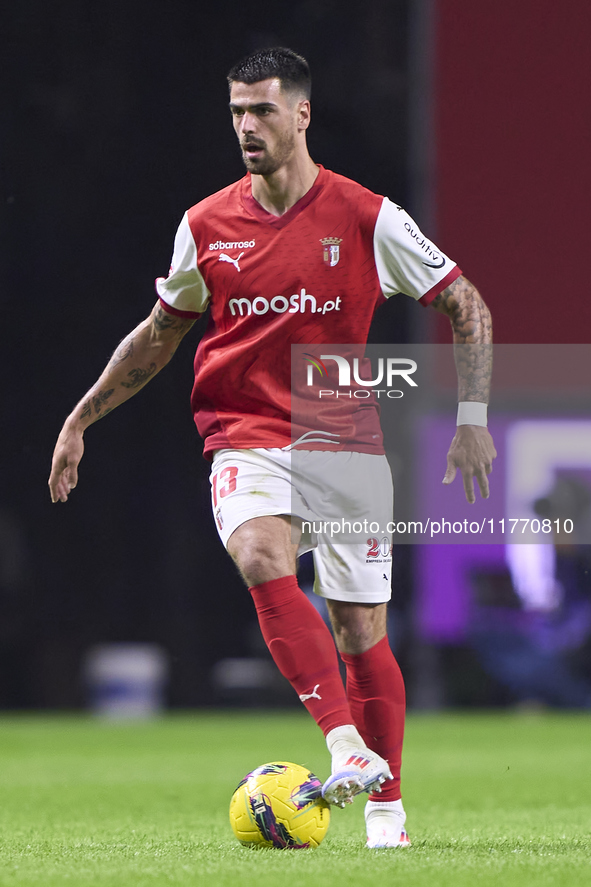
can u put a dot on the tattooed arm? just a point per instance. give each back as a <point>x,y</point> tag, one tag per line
<point>472,449</point>
<point>142,354</point>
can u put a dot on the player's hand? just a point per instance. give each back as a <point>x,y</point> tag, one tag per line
<point>472,451</point>
<point>68,452</point>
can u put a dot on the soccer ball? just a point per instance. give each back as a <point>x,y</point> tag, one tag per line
<point>279,805</point>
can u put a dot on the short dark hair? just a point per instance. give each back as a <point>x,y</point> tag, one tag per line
<point>291,69</point>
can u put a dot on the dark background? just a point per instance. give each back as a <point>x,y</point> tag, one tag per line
<point>114,120</point>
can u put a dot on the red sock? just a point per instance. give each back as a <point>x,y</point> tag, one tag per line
<point>303,649</point>
<point>375,690</point>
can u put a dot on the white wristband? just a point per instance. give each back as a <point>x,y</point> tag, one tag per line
<point>471,412</point>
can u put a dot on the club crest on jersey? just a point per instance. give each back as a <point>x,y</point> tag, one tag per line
<point>332,250</point>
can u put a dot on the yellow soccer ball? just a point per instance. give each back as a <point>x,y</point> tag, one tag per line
<point>279,805</point>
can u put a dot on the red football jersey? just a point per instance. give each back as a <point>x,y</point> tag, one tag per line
<point>312,276</point>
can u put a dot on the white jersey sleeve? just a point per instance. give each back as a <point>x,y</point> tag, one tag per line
<point>406,261</point>
<point>184,289</point>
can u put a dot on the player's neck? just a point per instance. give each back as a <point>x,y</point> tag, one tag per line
<point>280,191</point>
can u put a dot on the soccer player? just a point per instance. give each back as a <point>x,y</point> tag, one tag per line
<point>293,253</point>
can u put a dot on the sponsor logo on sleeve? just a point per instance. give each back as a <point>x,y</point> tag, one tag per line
<point>438,261</point>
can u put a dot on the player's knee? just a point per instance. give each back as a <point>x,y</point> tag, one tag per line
<point>357,628</point>
<point>257,561</point>
<point>262,549</point>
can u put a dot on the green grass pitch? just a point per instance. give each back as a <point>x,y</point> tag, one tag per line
<point>492,799</point>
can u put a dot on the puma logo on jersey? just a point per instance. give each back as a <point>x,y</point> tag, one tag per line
<point>224,258</point>
<point>312,695</point>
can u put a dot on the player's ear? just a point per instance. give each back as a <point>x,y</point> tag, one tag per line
<point>304,114</point>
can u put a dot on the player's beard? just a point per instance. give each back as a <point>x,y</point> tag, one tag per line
<point>269,162</point>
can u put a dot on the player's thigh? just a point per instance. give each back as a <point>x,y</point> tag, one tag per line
<point>250,483</point>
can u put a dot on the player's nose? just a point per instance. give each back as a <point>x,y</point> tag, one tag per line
<point>248,123</point>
